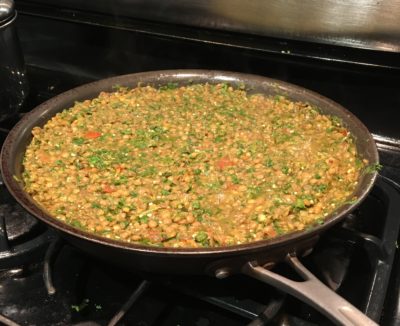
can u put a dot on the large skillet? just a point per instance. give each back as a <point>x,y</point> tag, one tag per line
<point>218,262</point>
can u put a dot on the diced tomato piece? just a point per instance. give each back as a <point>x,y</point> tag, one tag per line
<point>107,189</point>
<point>119,168</point>
<point>231,186</point>
<point>225,162</point>
<point>271,232</point>
<point>44,157</point>
<point>92,134</point>
<point>344,132</point>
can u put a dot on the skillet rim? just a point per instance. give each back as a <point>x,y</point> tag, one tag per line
<point>11,145</point>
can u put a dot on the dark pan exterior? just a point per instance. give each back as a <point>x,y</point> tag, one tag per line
<point>194,260</point>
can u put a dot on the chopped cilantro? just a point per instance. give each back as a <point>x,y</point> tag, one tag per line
<point>96,161</point>
<point>96,205</point>
<point>376,167</point>
<point>121,180</point>
<point>320,188</point>
<point>285,169</point>
<point>143,219</point>
<point>81,306</point>
<point>201,237</point>
<point>78,140</point>
<point>268,163</point>
<point>235,179</point>
<point>60,163</point>
<point>278,228</point>
<point>77,224</point>
<point>169,86</point>
<point>133,194</point>
<point>148,172</point>
<point>165,192</point>
<point>197,171</point>
<point>299,204</point>
<point>254,191</point>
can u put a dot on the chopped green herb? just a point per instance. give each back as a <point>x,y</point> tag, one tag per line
<point>77,224</point>
<point>285,170</point>
<point>81,306</point>
<point>268,163</point>
<point>278,228</point>
<point>165,192</point>
<point>235,179</point>
<point>196,204</point>
<point>148,172</point>
<point>168,87</point>
<point>96,161</point>
<point>372,168</point>
<point>133,194</point>
<point>96,205</point>
<point>320,188</point>
<point>143,219</point>
<point>60,163</point>
<point>201,237</point>
<point>299,204</point>
<point>78,140</point>
<point>197,171</point>
<point>121,180</point>
<point>254,191</point>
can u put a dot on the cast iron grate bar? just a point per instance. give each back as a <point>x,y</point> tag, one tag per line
<point>7,322</point>
<point>380,250</point>
<point>49,259</point>
<point>143,286</point>
<point>269,313</point>
<point>384,261</point>
<point>4,245</point>
<point>30,245</point>
<point>258,310</point>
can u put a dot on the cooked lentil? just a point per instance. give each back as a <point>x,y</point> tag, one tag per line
<point>200,165</point>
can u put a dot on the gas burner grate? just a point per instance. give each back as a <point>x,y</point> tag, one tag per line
<point>23,239</point>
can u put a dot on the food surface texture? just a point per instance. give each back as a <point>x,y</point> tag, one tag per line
<point>193,166</point>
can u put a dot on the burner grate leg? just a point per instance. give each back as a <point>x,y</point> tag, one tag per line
<point>128,304</point>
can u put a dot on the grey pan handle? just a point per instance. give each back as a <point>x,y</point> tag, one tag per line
<point>311,291</point>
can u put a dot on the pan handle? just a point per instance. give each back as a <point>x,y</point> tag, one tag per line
<point>311,291</point>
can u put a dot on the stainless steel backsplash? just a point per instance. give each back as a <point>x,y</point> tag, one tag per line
<point>370,24</point>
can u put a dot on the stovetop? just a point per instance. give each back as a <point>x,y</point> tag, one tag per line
<point>45,281</point>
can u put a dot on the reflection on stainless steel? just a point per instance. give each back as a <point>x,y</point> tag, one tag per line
<point>6,10</point>
<point>370,24</point>
<point>386,142</point>
<point>13,82</point>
